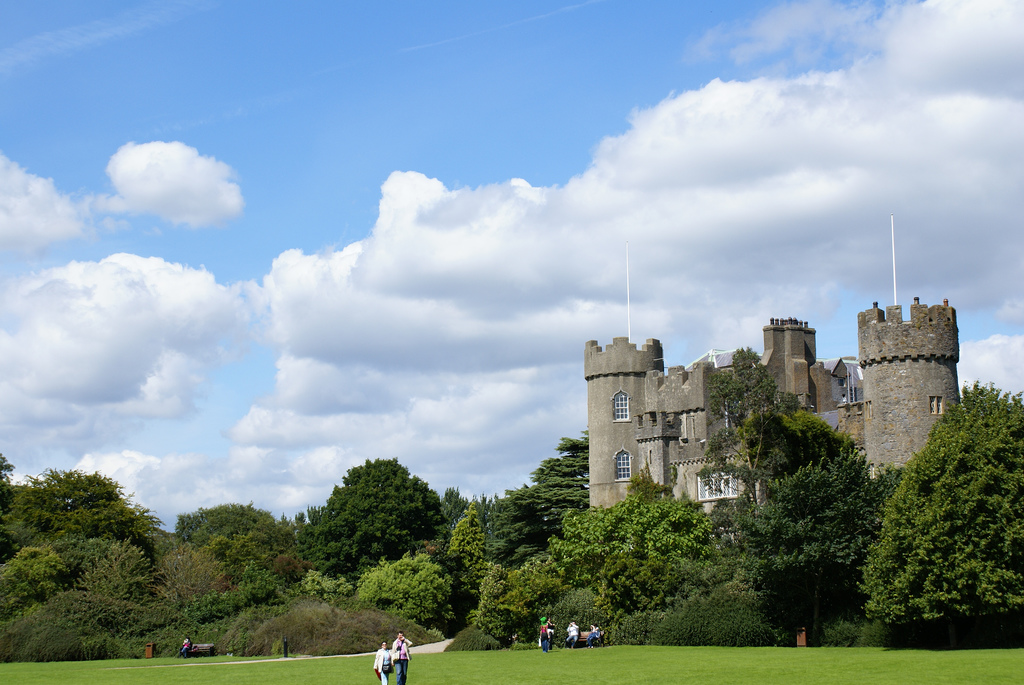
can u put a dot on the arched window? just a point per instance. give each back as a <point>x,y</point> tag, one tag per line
<point>620,404</point>
<point>623,469</point>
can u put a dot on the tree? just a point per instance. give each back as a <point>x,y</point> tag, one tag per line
<point>628,546</point>
<point>530,515</point>
<point>6,501</point>
<point>453,508</point>
<point>187,572</point>
<point>511,600</point>
<point>751,443</point>
<point>413,587</point>
<point>466,564</point>
<point>124,573</point>
<point>380,512</point>
<point>238,535</point>
<point>32,576</point>
<point>59,503</point>
<point>807,544</point>
<point>952,541</point>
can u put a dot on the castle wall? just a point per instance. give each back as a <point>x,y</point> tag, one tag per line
<point>789,354</point>
<point>910,376</point>
<point>620,367</point>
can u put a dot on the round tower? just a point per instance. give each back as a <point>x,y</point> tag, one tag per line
<point>615,394</point>
<point>909,376</point>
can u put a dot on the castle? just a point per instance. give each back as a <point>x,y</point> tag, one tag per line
<point>887,401</point>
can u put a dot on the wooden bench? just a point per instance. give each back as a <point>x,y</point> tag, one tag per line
<point>203,650</point>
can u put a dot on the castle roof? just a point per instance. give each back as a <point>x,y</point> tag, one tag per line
<point>719,358</point>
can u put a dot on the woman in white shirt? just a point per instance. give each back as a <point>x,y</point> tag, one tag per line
<point>382,663</point>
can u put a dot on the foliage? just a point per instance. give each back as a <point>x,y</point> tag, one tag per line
<point>578,604</point>
<point>472,639</point>
<point>636,628</point>
<point>413,587</point>
<point>952,542</point>
<point>59,503</point>
<point>751,442</point>
<point>323,587</point>
<point>258,585</point>
<point>808,543</point>
<point>643,485</point>
<point>841,632</point>
<point>380,513</point>
<point>532,514</point>
<point>32,576</point>
<point>723,619</point>
<point>238,535</point>
<point>453,508</point>
<point>123,573</point>
<point>465,564</point>
<point>186,572</point>
<point>511,600</point>
<point>624,552</point>
<point>317,629</point>
<point>6,501</point>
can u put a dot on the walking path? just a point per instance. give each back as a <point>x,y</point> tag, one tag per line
<point>429,648</point>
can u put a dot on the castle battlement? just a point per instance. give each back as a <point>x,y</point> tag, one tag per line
<point>930,334</point>
<point>622,358</point>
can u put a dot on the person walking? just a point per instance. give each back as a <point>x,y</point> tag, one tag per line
<point>545,639</point>
<point>382,664</point>
<point>400,655</point>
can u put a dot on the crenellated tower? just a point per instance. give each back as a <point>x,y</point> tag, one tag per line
<point>616,379</point>
<point>910,376</point>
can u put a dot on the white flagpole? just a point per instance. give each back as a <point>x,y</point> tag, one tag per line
<point>892,223</point>
<point>629,332</point>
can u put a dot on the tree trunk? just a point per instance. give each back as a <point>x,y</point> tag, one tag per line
<point>952,634</point>
<point>817,613</point>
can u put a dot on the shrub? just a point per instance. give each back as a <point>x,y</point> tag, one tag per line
<point>315,628</point>
<point>874,634</point>
<point>723,619</point>
<point>635,629</point>
<point>576,605</point>
<point>521,646</point>
<point>414,587</point>
<point>841,633</point>
<point>472,639</point>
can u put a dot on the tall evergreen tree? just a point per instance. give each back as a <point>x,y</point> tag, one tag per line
<point>530,515</point>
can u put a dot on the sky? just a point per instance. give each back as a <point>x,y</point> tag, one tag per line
<point>245,247</point>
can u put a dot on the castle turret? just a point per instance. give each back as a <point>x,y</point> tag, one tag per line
<point>615,394</point>
<point>909,376</point>
<point>789,354</point>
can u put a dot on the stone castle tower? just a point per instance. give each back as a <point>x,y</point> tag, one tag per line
<point>909,376</point>
<point>615,377</point>
<point>640,416</point>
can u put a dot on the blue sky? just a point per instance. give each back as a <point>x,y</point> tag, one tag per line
<point>264,243</point>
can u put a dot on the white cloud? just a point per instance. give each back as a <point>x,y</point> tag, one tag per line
<point>451,336</point>
<point>90,346</point>
<point>996,360</point>
<point>33,213</point>
<point>173,181</point>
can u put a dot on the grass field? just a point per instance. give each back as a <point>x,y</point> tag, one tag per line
<point>633,665</point>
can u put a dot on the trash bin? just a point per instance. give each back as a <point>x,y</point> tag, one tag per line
<point>150,650</point>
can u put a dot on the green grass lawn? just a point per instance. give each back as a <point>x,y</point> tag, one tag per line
<point>633,665</point>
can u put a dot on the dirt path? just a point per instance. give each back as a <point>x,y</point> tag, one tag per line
<point>429,648</point>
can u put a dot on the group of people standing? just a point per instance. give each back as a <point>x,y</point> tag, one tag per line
<point>394,660</point>
<point>547,633</point>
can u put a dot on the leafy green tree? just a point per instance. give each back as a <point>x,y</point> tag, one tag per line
<point>453,508</point>
<point>316,584</point>
<point>625,552</point>
<point>123,573</point>
<point>807,544</point>
<point>6,501</point>
<point>59,503</point>
<point>466,564</point>
<point>511,600</point>
<point>530,515</point>
<point>380,512</point>
<point>952,541</point>
<point>187,572</point>
<point>413,587</point>
<point>750,443</point>
<point>238,535</point>
<point>34,575</point>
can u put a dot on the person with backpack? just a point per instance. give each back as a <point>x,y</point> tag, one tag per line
<point>382,664</point>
